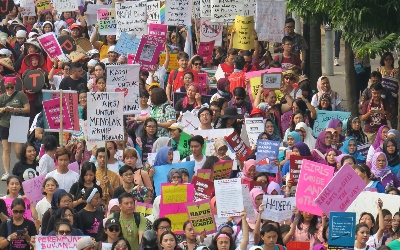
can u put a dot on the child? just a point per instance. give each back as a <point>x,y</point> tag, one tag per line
<point>101,83</point>
<point>46,162</point>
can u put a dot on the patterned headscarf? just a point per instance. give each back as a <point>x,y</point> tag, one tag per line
<point>377,171</point>
<point>379,140</point>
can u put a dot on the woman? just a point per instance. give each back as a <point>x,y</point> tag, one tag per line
<point>190,242</point>
<point>299,148</point>
<point>271,130</point>
<point>121,244</point>
<point>337,125</point>
<point>249,171</point>
<point>99,70</point>
<point>9,230</point>
<point>46,162</point>
<point>394,134</point>
<point>14,191</point>
<point>112,231</point>
<point>376,233</point>
<point>386,215</point>
<point>223,86</point>
<point>11,103</point>
<point>355,130</point>
<point>350,148</point>
<point>324,142</point>
<point>100,46</point>
<point>390,149</point>
<point>295,118</point>
<point>382,171</point>
<point>221,149</point>
<point>66,214</point>
<point>324,87</point>
<point>309,111</point>
<point>101,83</point>
<point>230,119</point>
<point>256,195</point>
<point>168,241</point>
<point>140,176</point>
<point>50,185</point>
<point>28,160</point>
<point>325,103</point>
<point>82,107</point>
<point>87,179</point>
<point>306,134</point>
<point>191,101</point>
<point>223,241</point>
<point>330,158</point>
<point>161,111</point>
<point>362,236</point>
<point>292,138</point>
<point>376,146</point>
<point>149,136</point>
<point>364,172</point>
<point>47,27</point>
<point>395,225</point>
<point>164,156</point>
<point>90,215</point>
<point>145,109</point>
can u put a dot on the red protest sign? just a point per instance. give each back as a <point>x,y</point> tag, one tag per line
<point>295,167</point>
<point>205,50</point>
<point>238,145</point>
<point>298,245</point>
<point>203,189</point>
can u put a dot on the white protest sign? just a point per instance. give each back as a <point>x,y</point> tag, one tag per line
<point>196,8</point>
<point>28,10</point>
<point>250,7</point>
<point>210,31</point>
<point>18,124</point>
<point>271,80</point>
<point>205,8</point>
<point>228,202</point>
<point>125,79</point>
<point>226,10</point>
<point>254,127</point>
<point>178,12</point>
<point>153,11</point>
<point>247,201</point>
<point>65,5</point>
<point>131,18</point>
<point>105,116</point>
<point>278,209</point>
<point>270,20</point>
<point>189,121</point>
<point>57,242</point>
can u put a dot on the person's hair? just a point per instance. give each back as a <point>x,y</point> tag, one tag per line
<point>324,230</point>
<point>118,240</point>
<point>18,201</point>
<point>189,73</point>
<point>130,152</point>
<point>313,225</point>
<point>287,39</point>
<point>75,65</point>
<point>364,169</point>
<point>285,228</point>
<point>143,93</point>
<point>232,52</point>
<point>146,122</point>
<point>383,57</point>
<point>62,196</point>
<point>210,161</point>
<point>376,74</point>
<point>182,55</point>
<point>261,174</point>
<point>9,178</point>
<point>144,73</point>
<point>236,125</point>
<point>62,151</point>
<point>390,189</point>
<point>87,166</point>
<point>198,58</point>
<point>101,77</point>
<point>102,65</point>
<point>372,219</point>
<point>47,180</point>
<point>239,62</point>
<point>215,104</point>
<point>271,228</point>
<point>296,70</point>
<point>204,109</point>
<point>385,213</point>
<point>247,53</point>
<point>347,157</point>
<point>125,195</point>
<point>305,86</point>
<point>214,245</point>
<point>301,105</point>
<point>65,64</point>
<point>49,142</point>
<point>377,87</point>
<point>325,97</point>
<point>185,224</point>
<point>113,143</point>
<point>184,171</point>
<point>124,169</point>
<point>292,125</point>
<point>61,212</point>
<point>240,92</point>
<point>158,221</point>
<point>359,226</point>
<point>171,233</point>
<point>383,247</point>
<point>102,150</point>
<point>23,151</point>
<point>290,20</point>
<point>82,88</point>
<point>197,138</point>
<point>158,96</point>
<point>62,222</point>
<point>278,226</point>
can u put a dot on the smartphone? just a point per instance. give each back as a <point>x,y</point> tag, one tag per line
<point>20,232</point>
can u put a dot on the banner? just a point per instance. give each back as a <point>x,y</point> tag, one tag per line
<point>244,35</point>
<point>161,172</point>
<point>50,45</point>
<point>189,121</point>
<point>51,110</point>
<point>342,228</point>
<point>254,127</point>
<point>313,178</point>
<point>203,188</point>
<point>226,11</point>
<point>147,53</point>
<point>324,117</point>
<point>267,153</point>
<point>159,30</point>
<point>125,79</point>
<point>153,12</point>
<point>105,116</point>
<point>131,18</point>
<point>179,12</point>
<point>65,5</point>
<point>27,214</point>
<point>270,20</point>
<point>127,44</point>
<point>201,217</point>
<point>222,170</point>
<point>278,209</point>
<point>238,145</point>
<point>205,51</point>
<point>229,203</point>
<point>57,242</point>
<point>210,31</point>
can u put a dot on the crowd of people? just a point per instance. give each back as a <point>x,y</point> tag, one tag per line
<point>99,200</point>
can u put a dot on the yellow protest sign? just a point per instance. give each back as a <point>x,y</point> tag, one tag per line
<point>201,217</point>
<point>177,221</point>
<point>244,35</point>
<point>144,208</point>
<point>254,86</point>
<point>204,173</point>
<point>173,61</point>
<point>222,170</point>
<point>174,194</point>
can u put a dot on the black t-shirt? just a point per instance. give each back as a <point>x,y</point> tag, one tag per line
<point>118,191</point>
<point>3,208</point>
<point>91,222</point>
<point>76,191</point>
<point>20,167</point>
<point>49,221</point>
<point>179,106</point>
<point>18,244</point>
<point>67,83</point>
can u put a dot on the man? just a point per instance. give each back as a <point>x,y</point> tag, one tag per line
<point>225,69</point>
<point>175,131</point>
<point>72,81</point>
<point>112,163</point>
<point>287,59</point>
<point>196,144</point>
<point>376,77</point>
<point>299,43</point>
<point>133,224</point>
<point>248,59</point>
<point>54,79</point>
<point>126,175</point>
<point>216,109</point>
<point>237,78</point>
<point>205,116</point>
<point>161,225</point>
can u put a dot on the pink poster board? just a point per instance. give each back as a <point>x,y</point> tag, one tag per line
<point>131,58</point>
<point>50,45</point>
<point>52,111</point>
<point>103,14</point>
<point>258,73</point>
<point>148,51</point>
<point>72,105</point>
<point>74,167</point>
<point>341,191</point>
<point>313,179</point>
<point>159,30</point>
<point>205,50</point>
<point>33,188</point>
<point>27,214</point>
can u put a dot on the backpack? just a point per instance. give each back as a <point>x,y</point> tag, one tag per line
<point>280,58</point>
<point>280,247</point>
<point>136,215</point>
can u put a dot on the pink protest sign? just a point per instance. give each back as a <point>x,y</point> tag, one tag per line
<point>159,30</point>
<point>52,111</point>
<point>33,188</point>
<point>258,73</point>
<point>203,78</point>
<point>74,167</point>
<point>148,51</point>
<point>131,58</point>
<point>205,50</point>
<point>341,191</point>
<point>313,179</point>
<point>27,214</point>
<point>50,45</point>
<point>103,14</point>
<point>72,105</point>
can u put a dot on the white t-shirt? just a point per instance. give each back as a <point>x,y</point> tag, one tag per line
<point>65,181</point>
<point>56,81</point>
<point>42,206</point>
<point>159,76</point>
<point>197,164</point>
<point>334,101</point>
<point>113,167</point>
<point>46,164</point>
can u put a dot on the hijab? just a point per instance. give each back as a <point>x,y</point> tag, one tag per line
<point>320,143</point>
<point>378,140</point>
<point>254,193</point>
<point>219,143</point>
<point>221,85</point>
<point>296,136</point>
<point>377,171</point>
<point>309,139</point>
<point>326,156</point>
<point>162,156</point>
<point>345,149</point>
<point>275,136</point>
<point>319,87</point>
<point>172,172</point>
<point>393,159</point>
<point>247,165</point>
<point>396,134</point>
<point>357,134</point>
<point>31,59</point>
<point>54,200</point>
<point>160,142</point>
<point>111,204</point>
<point>304,150</point>
<point>333,124</point>
<point>273,186</point>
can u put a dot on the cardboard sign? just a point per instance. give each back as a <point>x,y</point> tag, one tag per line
<point>173,62</point>
<point>211,31</point>
<point>179,12</point>
<point>52,111</point>
<point>127,44</point>
<point>222,170</point>
<point>28,10</point>
<point>271,80</point>
<point>160,176</point>
<point>204,174</point>
<point>33,188</point>
<point>255,81</point>
<point>189,121</point>
<point>247,201</point>
<point>18,86</point>
<point>205,51</point>
<point>149,49</point>
<point>203,188</point>
<point>263,63</point>
<point>278,209</point>
<point>298,245</point>
<point>205,8</point>
<point>228,202</point>
<point>160,30</point>
<point>254,127</point>
<point>33,80</point>
<point>270,20</point>
<point>295,167</point>
<point>324,117</point>
<point>244,36</point>
<point>341,191</point>
<point>144,208</point>
<point>183,145</point>
<point>238,145</point>
<point>226,11</point>
<point>65,5</point>
<point>57,242</point>
<point>201,217</point>
<point>342,227</point>
<point>27,214</point>
<point>153,12</point>
<point>131,18</point>
<point>313,178</point>
<point>43,6</point>
<point>50,45</point>
<point>106,21</point>
<point>18,124</point>
<point>67,44</point>
<point>267,153</point>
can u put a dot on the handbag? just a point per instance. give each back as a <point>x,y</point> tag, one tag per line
<point>2,105</point>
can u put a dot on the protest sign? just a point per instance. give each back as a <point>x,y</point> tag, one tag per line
<point>131,18</point>
<point>33,80</point>
<point>153,12</point>
<point>244,35</point>
<point>298,245</point>
<point>204,173</point>
<point>203,78</point>
<point>91,12</point>
<point>196,9</point>
<point>50,45</point>
<point>342,228</point>
<point>173,62</point>
<point>250,7</point>
<point>65,5</point>
<point>270,20</point>
<point>147,53</point>
<point>52,111</point>
<point>203,188</point>
<point>43,6</point>
<point>267,153</point>
<point>391,83</point>
<point>228,202</point>
<point>201,217</point>
<point>271,80</point>
<point>295,167</point>
<point>257,184</point>
<point>366,202</point>
<point>255,81</point>
<point>205,8</point>
<point>160,30</point>
<point>278,209</point>
<point>105,116</point>
<point>179,12</point>
<point>127,44</point>
<point>183,145</point>
<point>144,208</point>
<point>106,21</point>
<point>248,201</point>
<point>324,117</point>
<point>27,214</point>
<point>205,51</point>
<point>28,10</point>
<point>341,191</point>
<point>67,44</point>
<point>33,188</point>
<point>363,149</point>
<point>254,127</point>
<point>222,170</point>
<point>125,79</point>
<point>160,176</point>
<point>189,121</point>
<point>57,242</point>
<point>313,178</point>
<point>238,145</point>
<point>18,124</point>
<point>211,31</point>
<point>225,11</point>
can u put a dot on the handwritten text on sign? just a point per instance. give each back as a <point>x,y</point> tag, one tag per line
<point>324,117</point>
<point>105,116</point>
<point>65,5</point>
<point>278,209</point>
<point>179,12</point>
<point>270,20</point>
<point>153,11</point>
<point>33,188</point>
<point>271,80</point>
<point>131,18</point>
<point>226,10</point>
<point>244,36</point>
<point>57,242</point>
<point>127,44</point>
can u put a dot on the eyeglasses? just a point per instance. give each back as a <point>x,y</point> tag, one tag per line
<point>173,37</point>
<point>113,229</point>
<point>196,64</point>
<point>64,232</point>
<point>68,216</point>
<point>123,247</point>
<point>66,202</point>
<point>18,211</point>
<point>239,98</point>
<point>289,44</point>
<point>289,78</point>
<point>164,228</point>
<point>151,127</point>
<point>388,59</point>
<point>12,87</point>
<point>127,174</point>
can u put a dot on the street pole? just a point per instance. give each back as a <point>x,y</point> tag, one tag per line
<point>328,50</point>
<point>296,18</point>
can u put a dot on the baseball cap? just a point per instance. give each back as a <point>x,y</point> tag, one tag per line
<point>20,33</point>
<point>92,63</point>
<point>175,125</point>
<point>112,222</point>
<point>83,242</point>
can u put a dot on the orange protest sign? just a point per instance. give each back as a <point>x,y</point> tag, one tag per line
<point>173,61</point>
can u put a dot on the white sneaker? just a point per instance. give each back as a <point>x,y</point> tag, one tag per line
<point>5,176</point>
<point>336,63</point>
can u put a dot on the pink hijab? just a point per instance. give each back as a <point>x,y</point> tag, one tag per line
<point>273,186</point>
<point>254,193</point>
<point>247,165</point>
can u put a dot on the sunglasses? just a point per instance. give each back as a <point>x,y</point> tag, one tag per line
<point>290,78</point>
<point>64,232</point>
<point>114,229</point>
<point>18,211</point>
<point>12,87</point>
<point>196,64</point>
<point>239,98</point>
